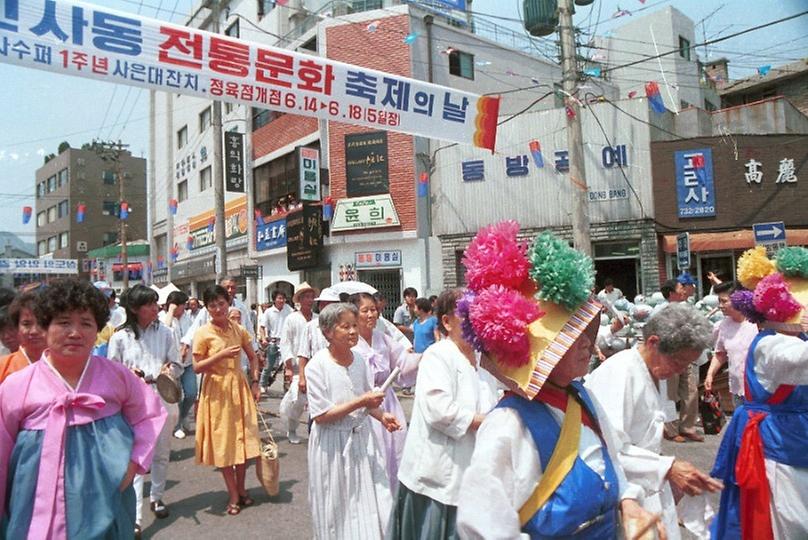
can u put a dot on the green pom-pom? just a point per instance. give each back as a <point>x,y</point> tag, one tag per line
<point>793,261</point>
<point>565,276</point>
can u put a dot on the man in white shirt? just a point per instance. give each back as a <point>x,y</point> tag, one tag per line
<point>405,313</point>
<point>269,332</point>
<point>610,293</point>
<point>313,339</point>
<point>292,335</point>
<point>386,326</point>
<point>117,314</point>
<point>177,319</point>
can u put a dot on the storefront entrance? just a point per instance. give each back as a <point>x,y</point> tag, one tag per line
<point>619,261</point>
<point>387,282</point>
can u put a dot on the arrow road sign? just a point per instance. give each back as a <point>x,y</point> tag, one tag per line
<point>769,233</point>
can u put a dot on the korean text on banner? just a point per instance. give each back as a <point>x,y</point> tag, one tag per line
<point>85,40</point>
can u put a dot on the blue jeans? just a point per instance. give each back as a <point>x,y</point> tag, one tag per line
<point>273,354</point>
<point>189,392</point>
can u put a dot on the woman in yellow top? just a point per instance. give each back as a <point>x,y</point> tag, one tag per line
<point>226,423</point>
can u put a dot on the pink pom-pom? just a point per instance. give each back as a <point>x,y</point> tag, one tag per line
<point>773,299</point>
<point>500,317</point>
<point>496,257</point>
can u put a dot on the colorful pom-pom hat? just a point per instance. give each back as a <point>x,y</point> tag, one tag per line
<point>777,293</point>
<point>525,305</point>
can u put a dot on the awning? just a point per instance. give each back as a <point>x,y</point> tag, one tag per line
<point>730,240</point>
<point>136,266</point>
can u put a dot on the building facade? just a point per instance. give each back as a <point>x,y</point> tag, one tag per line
<point>79,179</point>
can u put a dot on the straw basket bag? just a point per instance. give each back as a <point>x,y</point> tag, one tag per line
<point>267,466</point>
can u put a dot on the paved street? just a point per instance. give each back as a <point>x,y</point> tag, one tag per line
<point>197,496</point>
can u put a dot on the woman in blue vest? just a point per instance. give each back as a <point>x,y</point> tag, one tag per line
<point>543,464</point>
<point>762,459</point>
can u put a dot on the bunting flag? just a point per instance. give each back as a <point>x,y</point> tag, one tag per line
<point>259,217</point>
<point>211,223</point>
<point>764,70</point>
<point>80,210</point>
<point>124,213</point>
<point>632,94</point>
<point>570,112</point>
<point>535,151</point>
<point>654,97</point>
<point>175,253</point>
<point>26,214</point>
<point>172,206</point>
<point>189,242</point>
<point>328,208</point>
<point>423,185</point>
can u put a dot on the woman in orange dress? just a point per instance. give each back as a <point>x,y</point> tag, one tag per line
<point>226,424</point>
<point>31,336</point>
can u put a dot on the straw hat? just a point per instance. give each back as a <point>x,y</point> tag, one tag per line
<point>526,306</point>
<point>304,287</point>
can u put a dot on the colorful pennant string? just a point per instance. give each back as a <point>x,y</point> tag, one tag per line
<point>535,151</point>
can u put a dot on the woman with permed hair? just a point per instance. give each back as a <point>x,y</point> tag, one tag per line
<point>29,334</point>
<point>92,423</point>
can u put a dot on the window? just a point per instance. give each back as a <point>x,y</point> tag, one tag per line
<point>205,179</point>
<point>108,177</point>
<point>276,180</point>
<point>64,210</point>
<point>461,64</point>
<point>40,190</point>
<point>52,244</point>
<point>364,5</point>
<point>684,48</point>
<point>64,239</point>
<point>110,237</point>
<point>64,176</point>
<point>182,191</point>
<point>182,137</point>
<point>40,219</point>
<point>233,30</point>
<point>52,183</point>
<point>51,214</point>
<point>109,208</point>
<point>264,7</point>
<point>228,108</point>
<point>42,247</point>
<point>204,120</point>
<point>709,106</point>
<point>262,117</point>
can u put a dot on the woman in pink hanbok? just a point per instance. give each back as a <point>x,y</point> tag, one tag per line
<point>383,355</point>
<point>74,429</point>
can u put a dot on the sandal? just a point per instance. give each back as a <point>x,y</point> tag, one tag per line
<point>245,501</point>
<point>233,509</point>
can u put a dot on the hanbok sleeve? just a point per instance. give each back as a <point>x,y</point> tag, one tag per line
<point>143,411</point>
<point>405,360</point>
<point>436,379</point>
<point>317,389</point>
<point>781,359</point>
<point>9,427</point>
<point>503,473</point>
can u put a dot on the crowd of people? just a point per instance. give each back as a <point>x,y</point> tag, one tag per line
<point>512,432</point>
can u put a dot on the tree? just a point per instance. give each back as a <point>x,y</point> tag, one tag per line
<point>64,145</point>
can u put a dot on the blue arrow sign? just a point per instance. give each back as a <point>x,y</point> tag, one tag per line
<point>769,233</point>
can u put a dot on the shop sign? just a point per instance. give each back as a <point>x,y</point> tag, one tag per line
<point>96,42</point>
<point>39,266</point>
<point>602,195</point>
<point>365,213</point>
<point>309,167</point>
<point>249,271</point>
<point>786,172</point>
<point>304,241</point>
<point>683,251</point>
<point>201,231</point>
<point>270,235</point>
<point>378,259</point>
<point>695,192</point>
<point>234,161</point>
<point>366,164</point>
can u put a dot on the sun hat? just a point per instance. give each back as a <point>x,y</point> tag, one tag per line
<point>304,287</point>
<point>327,295</point>
<point>525,306</point>
<point>777,290</point>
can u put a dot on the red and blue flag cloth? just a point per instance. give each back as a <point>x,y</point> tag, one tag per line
<point>535,151</point>
<point>172,206</point>
<point>654,97</point>
<point>81,209</point>
<point>124,213</point>
<point>26,214</point>
<point>423,185</point>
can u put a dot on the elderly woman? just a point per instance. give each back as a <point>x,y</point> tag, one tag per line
<point>627,387</point>
<point>544,464</point>
<point>227,420</point>
<point>147,346</point>
<point>91,423</point>
<point>348,488</point>
<point>452,396</point>
<point>29,334</point>
<point>383,354</point>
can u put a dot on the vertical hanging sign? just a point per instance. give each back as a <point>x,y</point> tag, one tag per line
<point>309,166</point>
<point>234,161</point>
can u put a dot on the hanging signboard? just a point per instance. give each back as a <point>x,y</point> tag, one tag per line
<point>270,235</point>
<point>364,213</point>
<point>366,164</point>
<point>695,191</point>
<point>39,266</point>
<point>304,238</point>
<point>309,167</point>
<point>234,161</point>
<point>96,42</point>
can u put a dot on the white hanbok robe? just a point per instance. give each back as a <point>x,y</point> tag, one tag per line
<point>292,335</point>
<point>636,409</point>
<point>349,493</point>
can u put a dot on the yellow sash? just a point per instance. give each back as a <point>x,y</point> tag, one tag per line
<point>561,462</point>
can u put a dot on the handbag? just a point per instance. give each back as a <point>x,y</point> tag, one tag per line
<point>267,465</point>
<point>712,418</point>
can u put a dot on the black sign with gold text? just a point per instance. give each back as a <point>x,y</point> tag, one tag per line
<point>366,164</point>
<point>304,238</point>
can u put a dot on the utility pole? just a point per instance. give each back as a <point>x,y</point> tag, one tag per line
<point>111,152</point>
<point>218,170</point>
<point>577,172</point>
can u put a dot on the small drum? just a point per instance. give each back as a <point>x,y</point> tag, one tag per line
<point>167,386</point>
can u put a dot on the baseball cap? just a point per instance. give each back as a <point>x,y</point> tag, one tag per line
<point>104,287</point>
<point>685,279</point>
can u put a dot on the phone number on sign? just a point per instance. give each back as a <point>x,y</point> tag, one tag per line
<point>698,211</point>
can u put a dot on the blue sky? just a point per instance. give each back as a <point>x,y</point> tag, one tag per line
<point>41,109</point>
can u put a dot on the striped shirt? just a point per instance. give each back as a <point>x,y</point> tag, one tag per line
<point>155,347</point>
